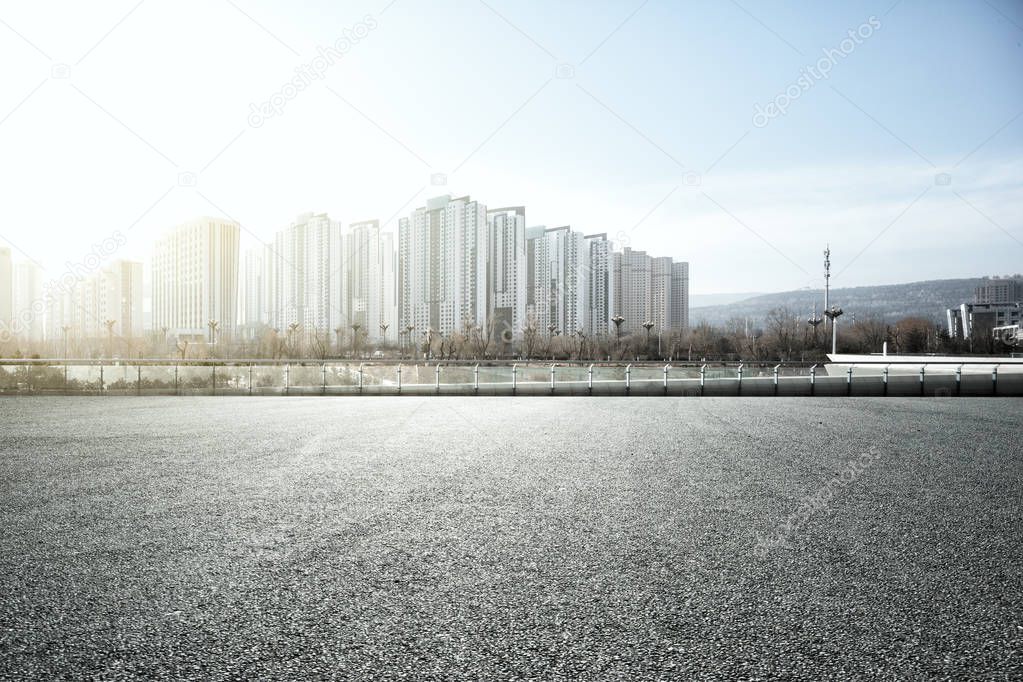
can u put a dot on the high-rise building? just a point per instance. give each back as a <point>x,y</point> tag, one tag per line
<point>308,269</point>
<point>371,280</point>
<point>648,289</point>
<point>680,296</point>
<point>508,271</point>
<point>29,306</point>
<point>632,282</point>
<point>558,279</point>
<point>598,284</point>
<point>442,265</point>
<point>659,312</point>
<point>6,294</point>
<point>195,279</point>
<point>120,297</point>
<point>1000,290</point>
<point>110,296</point>
<point>254,289</point>
<point>60,313</point>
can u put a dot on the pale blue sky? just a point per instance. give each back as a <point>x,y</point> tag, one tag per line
<point>468,89</point>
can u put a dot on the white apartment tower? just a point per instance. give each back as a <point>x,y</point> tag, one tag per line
<point>6,293</point>
<point>112,294</point>
<point>195,278</point>
<point>306,270</point>
<point>442,264</point>
<point>680,296</point>
<point>649,289</point>
<point>598,268</point>
<point>371,280</point>
<point>254,288</point>
<point>558,279</point>
<point>29,306</point>
<point>508,271</point>
<point>120,297</point>
<point>659,312</point>
<point>632,282</point>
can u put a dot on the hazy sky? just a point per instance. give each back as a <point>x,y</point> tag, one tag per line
<point>107,107</point>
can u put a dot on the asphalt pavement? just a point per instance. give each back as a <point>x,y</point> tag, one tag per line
<point>511,538</point>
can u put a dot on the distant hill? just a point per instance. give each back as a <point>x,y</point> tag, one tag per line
<point>927,299</point>
<point>704,300</point>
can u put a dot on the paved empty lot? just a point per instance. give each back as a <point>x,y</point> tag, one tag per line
<point>466,538</point>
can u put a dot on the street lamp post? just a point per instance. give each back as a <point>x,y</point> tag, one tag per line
<point>355,339</point>
<point>618,319</point>
<point>648,325</point>
<point>292,328</point>
<point>109,324</point>
<point>833,314</point>
<point>429,344</point>
<point>814,321</point>
<point>213,325</point>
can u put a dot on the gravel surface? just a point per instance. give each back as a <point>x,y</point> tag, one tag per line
<point>497,538</point>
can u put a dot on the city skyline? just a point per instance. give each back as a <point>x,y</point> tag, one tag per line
<point>601,122</point>
<point>454,266</point>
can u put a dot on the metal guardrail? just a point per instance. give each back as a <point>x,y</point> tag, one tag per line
<point>307,377</point>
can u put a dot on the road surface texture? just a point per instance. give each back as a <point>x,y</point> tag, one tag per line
<point>500,538</point>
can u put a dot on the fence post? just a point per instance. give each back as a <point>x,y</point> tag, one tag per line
<point>552,378</point>
<point>177,388</point>
<point>323,379</point>
<point>884,377</point>
<point>813,379</point>
<point>514,370</point>
<point>476,378</point>
<point>138,381</point>
<point>922,379</point>
<point>776,379</point>
<point>287,379</point>
<point>399,378</point>
<point>65,378</point>
<point>589,379</point>
<point>250,378</point>
<point>628,379</point>
<point>101,383</point>
<point>362,376</point>
<point>959,380</point>
<point>848,380</point>
<point>994,380</point>
<point>214,378</point>
<point>703,377</point>
<point>666,368</point>
<point>738,390</point>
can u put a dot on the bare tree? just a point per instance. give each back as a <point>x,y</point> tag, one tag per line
<point>530,337</point>
<point>782,332</point>
<point>870,332</point>
<point>480,337</point>
<point>321,347</point>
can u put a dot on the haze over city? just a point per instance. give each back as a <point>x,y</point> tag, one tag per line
<point>643,120</point>
<point>511,339</point>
